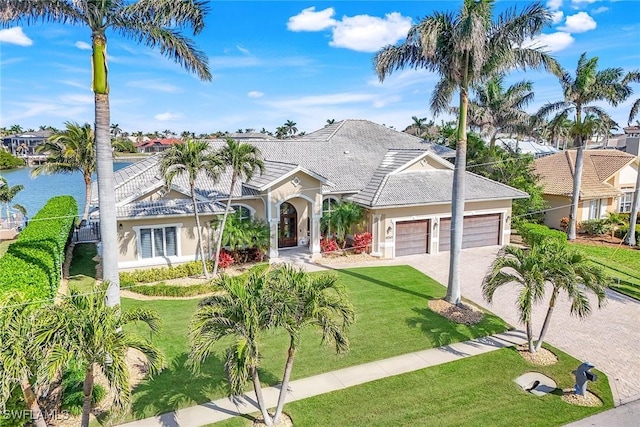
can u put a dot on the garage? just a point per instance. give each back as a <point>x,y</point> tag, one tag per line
<point>412,237</point>
<point>479,230</point>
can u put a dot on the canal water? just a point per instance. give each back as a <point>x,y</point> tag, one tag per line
<point>38,190</point>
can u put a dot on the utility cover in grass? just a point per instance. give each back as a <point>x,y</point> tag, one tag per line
<point>536,383</point>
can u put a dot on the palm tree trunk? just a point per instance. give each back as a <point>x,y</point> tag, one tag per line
<point>532,348</point>
<point>633,216</point>
<point>87,391</point>
<point>195,214</point>
<point>577,182</point>
<point>257,388</point>
<point>234,177</point>
<point>492,142</point>
<point>285,383</point>
<point>457,200</point>
<point>547,319</point>
<point>87,195</point>
<point>32,403</point>
<point>104,169</point>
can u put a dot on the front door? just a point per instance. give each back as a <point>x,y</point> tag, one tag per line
<point>288,230</point>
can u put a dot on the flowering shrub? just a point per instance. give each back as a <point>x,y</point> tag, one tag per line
<point>225,259</point>
<point>361,243</point>
<point>328,245</point>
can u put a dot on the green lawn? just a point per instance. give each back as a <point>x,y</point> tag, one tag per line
<point>478,391</point>
<point>4,245</point>
<point>620,263</point>
<point>82,271</point>
<point>392,319</point>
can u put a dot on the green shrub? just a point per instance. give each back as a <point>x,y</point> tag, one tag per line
<point>621,232</point>
<point>193,268</point>
<point>9,161</point>
<point>15,405</point>
<point>164,290</point>
<point>536,233</point>
<point>33,263</point>
<point>72,393</point>
<point>595,227</point>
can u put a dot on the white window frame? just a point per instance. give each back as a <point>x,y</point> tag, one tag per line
<point>138,228</point>
<point>332,198</point>
<point>626,200</point>
<point>252,211</point>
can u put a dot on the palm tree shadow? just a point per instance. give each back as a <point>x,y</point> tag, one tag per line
<point>387,285</point>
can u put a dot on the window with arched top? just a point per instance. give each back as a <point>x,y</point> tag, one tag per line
<point>328,205</point>
<point>245,212</point>
<point>287,209</point>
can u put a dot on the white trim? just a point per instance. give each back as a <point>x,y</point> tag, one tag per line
<point>164,259</point>
<point>418,159</point>
<point>295,170</point>
<point>252,211</point>
<point>158,261</point>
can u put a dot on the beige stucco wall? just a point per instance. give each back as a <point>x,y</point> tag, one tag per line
<point>626,177</point>
<point>558,209</point>
<point>382,221</point>
<point>257,206</point>
<point>187,249</point>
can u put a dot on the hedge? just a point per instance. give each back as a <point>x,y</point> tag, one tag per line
<point>535,233</point>
<point>33,263</point>
<point>193,268</point>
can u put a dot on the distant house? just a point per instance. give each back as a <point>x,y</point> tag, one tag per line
<point>526,147</point>
<point>157,145</point>
<point>608,183</point>
<point>402,182</point>
<point>25,144</point>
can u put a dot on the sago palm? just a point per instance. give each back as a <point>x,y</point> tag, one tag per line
<point>85,330</point>
<point>157,24</point>
<point>193,159</point>
<point>465,49</point>
<point>69,151</point>
<point>244,160</point>
<point>588,86</point>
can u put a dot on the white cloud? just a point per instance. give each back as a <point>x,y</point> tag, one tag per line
<point>82,45</point>
<point>255,94</point>
<point>77,99</point>
<point>553,42</point>
<point>366,33</point>
<point>165,117</point>
<point>600,9</point>
<point>243,50</point>
<point>554,4</point>
<point>154,85</point>
<point>557,16</point>
<point>15,35</point>
<point>578,23</point>
<point>581,2</point>
<point>310,20</point>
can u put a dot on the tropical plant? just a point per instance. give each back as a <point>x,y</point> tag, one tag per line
<point>69,151</point>
<point>580,92</point>
<point>419,126</point>
<point>244,160</point>
<point>290,128</point>
<point>83,329</point>
<point>495,109</point>
<point>331,121</point>
<point>123,145</point>
<point>342,218</point>
<point>633,77</point>
<point>115,130</point>
<point>20,353</point>
<point>465,49</point>
<point>191,159</point>
<point>157,25</point>
<point>9,161</point>
<point>301,301</point>
<point>8,193</point>
<point>281,132</point>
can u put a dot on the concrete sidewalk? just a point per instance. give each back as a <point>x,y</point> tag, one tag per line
<point>222,409</point>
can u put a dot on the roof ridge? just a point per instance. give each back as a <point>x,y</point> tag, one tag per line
<point>339,126</point>
<point>141,171</point>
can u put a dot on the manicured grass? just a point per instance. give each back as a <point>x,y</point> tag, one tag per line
<point>82,271</point>
<point>392,319</point>
<point>621,264</point>
<point>478,391</point>
<point>4,245</point>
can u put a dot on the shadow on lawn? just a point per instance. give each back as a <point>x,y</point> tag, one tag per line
<point>387,285</point>
<point>178,387</point>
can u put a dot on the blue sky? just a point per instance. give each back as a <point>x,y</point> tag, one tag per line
<point>278,61</point>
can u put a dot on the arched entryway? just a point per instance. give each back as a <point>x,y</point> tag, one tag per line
<point>288,228</point>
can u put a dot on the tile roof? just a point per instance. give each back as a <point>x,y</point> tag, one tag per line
<point>166,207</point>
<point>556,172</point>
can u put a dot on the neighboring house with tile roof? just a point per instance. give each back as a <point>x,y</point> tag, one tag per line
<point>608,183</point>
<point>403,183</point>
<point>157,145</point>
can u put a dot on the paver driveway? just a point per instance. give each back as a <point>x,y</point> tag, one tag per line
<point>608,338</point>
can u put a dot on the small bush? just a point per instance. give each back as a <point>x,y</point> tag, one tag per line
<point>595,227</point>
<point>361,243</point>
<point>535,234</point>
<point>225,259</point>
<point>564,223</point>
<point>621,232</point>
<point>193,268</point>
<point>328,245</point>
<point>72,393</point>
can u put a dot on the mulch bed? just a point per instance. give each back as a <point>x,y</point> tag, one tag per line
<point>464,314</point>
<point>541,358</point>
<point>569,396</point>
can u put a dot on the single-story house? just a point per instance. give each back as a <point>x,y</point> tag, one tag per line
<point>157,145</point>
<point>608,183</point>
<point>403,183</point>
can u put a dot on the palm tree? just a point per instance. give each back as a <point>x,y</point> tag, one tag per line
<point>302,300</point>
<point>418,126</point>
<point>465,49</point>
<point>343,218</point>
<point>191,158</point>
<point>115,130</point>
<point>633,77</point>
<point>84,330</point>
<point>19,352</point>
<point>526,268</point>
<point>331,121</point>
<point>238,312</point>
<point>69,151</point>
<point>8,193</point>
<point>281,132</point>
<point>495,109</point>
<point>290,128</point>
<point>14,128</point>
<point>244,160</point>
<point>574,274</point>
<point>156,24</point>
<point>588,86</point>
